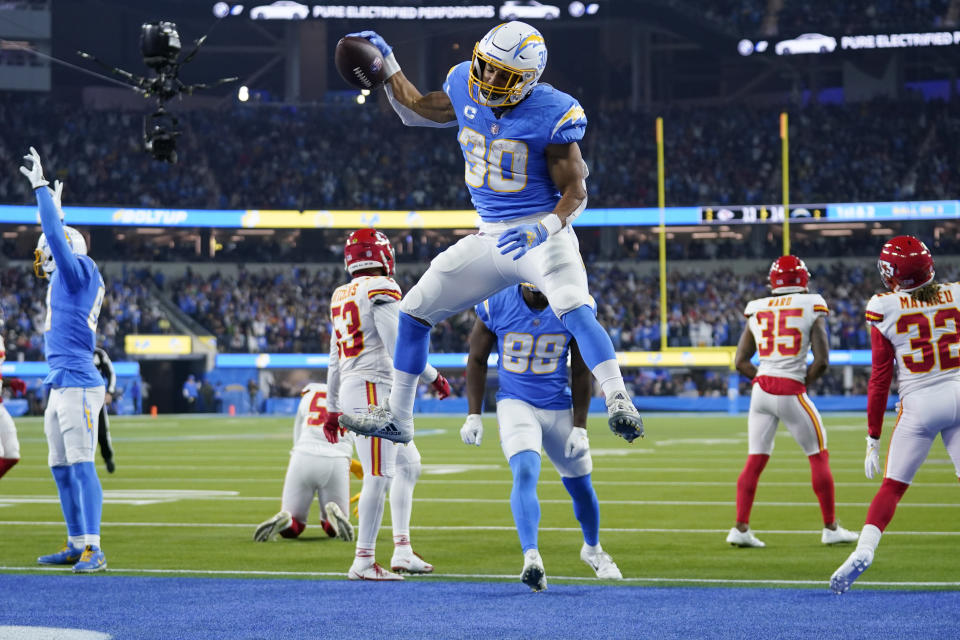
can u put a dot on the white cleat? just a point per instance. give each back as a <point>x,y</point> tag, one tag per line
<point>371,571</point>
<point>339,522</point>
<point>378,423</point>
<point>850,570</point>
<point>743,538</point>
<point>602,564</point>
<point>838,536</point>
<point>534,576</point>
<point>410,562</point>
<point>269,529</point>
<point>623,417</point>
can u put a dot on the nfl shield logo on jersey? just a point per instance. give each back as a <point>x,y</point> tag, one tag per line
<point>494,128</point>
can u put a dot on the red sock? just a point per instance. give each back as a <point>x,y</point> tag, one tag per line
<point>885,502</point>
<point>6,464</point>
<point>823,484</point>
<point>328,528</point>
<point>747,484</point>
<point>294,530</point>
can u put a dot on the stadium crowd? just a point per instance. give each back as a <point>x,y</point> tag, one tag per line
<point>286,158</point>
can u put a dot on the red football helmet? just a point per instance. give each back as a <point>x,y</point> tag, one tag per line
<point>788,274</point>
<point>368,249</point>
<point>905,264</point>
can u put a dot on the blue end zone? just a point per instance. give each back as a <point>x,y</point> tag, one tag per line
<point>135,607</point>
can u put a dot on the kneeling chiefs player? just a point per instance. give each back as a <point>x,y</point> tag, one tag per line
<point>317,468</point>
<point>534,409</point>
<point>916,327</point>
<point>364,314</point>
<point>782,328</point>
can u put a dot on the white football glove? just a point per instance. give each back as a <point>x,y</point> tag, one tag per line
<point>35,173</point>
<point>871,465</point>
<point>472,430</point>
<point>577,443</point>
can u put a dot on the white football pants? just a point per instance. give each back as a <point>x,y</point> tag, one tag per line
<point>70,423</point>
<point>524,427</point>
<point>798,414</point>
<point>9,445</point>
<point>473,269</point>
<point>924,413</point>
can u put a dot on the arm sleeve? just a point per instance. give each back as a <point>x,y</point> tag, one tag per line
<point>881,374</point>
<point>111,374</point>
<point>67,263</point>
<point>386,317</point>
<point>410,117</point>
<point>333,376</point>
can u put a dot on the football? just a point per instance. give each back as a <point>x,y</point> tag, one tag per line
<point>359,62</point>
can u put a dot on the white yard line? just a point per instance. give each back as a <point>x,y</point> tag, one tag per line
<point>249,525</point>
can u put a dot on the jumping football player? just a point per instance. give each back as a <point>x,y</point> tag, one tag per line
<point>527,180</point>
<point>782,328</point>
<point>74,297</point>
<point>364,317</point>
<point>535,408</point>
<point>916,326</point>
<point>9,444</point>
<point>101,360</point>
<point>317,467</point>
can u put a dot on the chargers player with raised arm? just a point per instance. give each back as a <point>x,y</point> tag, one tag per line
<point>526,178</point>
<point>364,317</point>
<point>782,328</point>
<point>74,296</point>
<point>915,327</point>
<point>535,408</point>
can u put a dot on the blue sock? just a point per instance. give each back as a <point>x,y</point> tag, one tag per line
<point>585,507</point>
<point>523,499</point>
<point>413,345</point>
<point>69,490</point>
<point>594,343</point>
<point>91,496</point>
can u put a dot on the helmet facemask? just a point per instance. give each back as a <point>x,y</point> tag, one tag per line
<point>516,55</point>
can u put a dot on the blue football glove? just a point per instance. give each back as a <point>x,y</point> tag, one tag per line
<point>376,39</point>
<point>522,238</point>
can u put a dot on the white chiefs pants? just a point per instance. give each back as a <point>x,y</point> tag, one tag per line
<point>473,269</point>
<point>524,427</point>
<point>327,477</point>
<point>798,414</point>
<point>70,423</point>
<point>9,445</point>
<point>377,456</point>
<point>924,413</point>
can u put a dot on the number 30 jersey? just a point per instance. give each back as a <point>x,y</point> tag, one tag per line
<point>355,341</point>
<point>781,328</point>
<point>532,347</point>
<point>506,164</point>
<point>925,337</point>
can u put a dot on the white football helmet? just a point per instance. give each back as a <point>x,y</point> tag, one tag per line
<point>515,48</point>
<point>43,262</point>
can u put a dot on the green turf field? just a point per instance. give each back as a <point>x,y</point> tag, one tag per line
<point>189,491</point>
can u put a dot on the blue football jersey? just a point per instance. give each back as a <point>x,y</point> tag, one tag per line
<point>74,296</point>
<point>506,166</point>
<point>533,347</point>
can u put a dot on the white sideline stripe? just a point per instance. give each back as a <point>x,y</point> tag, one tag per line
<point>494,576</point>
<point>226,525</point>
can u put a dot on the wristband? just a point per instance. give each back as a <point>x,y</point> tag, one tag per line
<point>390,66</point>
<point>552,223</point>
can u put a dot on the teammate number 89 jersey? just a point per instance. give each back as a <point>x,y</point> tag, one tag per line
<point>533,347</point>
<point>925,337</point>
<point>781,328</point>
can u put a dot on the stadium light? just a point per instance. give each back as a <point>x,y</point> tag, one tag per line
<point>243,94</point>
<point>361,99</point>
